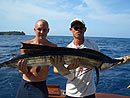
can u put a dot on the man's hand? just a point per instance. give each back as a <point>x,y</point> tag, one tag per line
<point>22,66</point>
<point>58,62</point>
<point>75,63</point>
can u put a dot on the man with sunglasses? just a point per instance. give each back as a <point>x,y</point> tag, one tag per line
<point>33,84</point>
<point>80,82</point>
<point>82,86</point>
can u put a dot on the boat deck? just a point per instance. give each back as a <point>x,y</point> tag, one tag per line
<point>55,92</point>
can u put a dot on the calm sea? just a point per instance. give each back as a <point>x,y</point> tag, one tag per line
<point>113,81</point>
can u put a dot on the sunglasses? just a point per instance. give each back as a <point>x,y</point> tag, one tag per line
<point>76,28</point>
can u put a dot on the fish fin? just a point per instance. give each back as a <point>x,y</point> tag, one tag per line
<point>97,74</point>
<point>100,67</point>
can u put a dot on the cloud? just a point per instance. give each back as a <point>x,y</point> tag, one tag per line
<point>112,18</point>
<point>97,11</point>
<point>22,14</point>
<point>21,10</point>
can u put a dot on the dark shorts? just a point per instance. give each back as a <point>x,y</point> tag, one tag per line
<point>90,96</point>
<point>32,90</point>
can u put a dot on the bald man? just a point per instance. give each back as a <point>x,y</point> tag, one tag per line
<point>33,84</point>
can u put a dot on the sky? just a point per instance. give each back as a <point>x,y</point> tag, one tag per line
<point>103,18</point>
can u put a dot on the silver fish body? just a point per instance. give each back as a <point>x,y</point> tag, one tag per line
<point>38,60</point>
<point>43,55</point>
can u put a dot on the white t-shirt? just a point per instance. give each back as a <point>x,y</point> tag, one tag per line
<point>83,83</point>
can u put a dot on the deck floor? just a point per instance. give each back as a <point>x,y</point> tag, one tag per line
<point>55,92</point>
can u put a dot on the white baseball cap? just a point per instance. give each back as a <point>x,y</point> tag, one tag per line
<point>76,20</point>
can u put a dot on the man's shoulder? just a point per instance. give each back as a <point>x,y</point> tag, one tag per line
<point>51,44</point>
<point>48,43</point>
<point>29,42</point>
<point>70,44</point>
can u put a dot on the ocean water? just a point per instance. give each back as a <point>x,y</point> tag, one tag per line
<point>113,81</point>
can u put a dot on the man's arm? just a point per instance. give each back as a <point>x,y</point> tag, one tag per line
<point>59,67</point>
<point>75,63</point>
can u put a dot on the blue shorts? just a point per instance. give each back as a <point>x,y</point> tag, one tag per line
<point>32,90</point>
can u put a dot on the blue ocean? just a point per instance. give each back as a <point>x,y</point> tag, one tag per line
<point>115,80</point>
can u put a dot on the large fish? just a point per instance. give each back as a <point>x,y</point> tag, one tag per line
<point>39,55</point>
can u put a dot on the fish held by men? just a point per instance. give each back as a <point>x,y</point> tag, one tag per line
<point>44,55</point>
